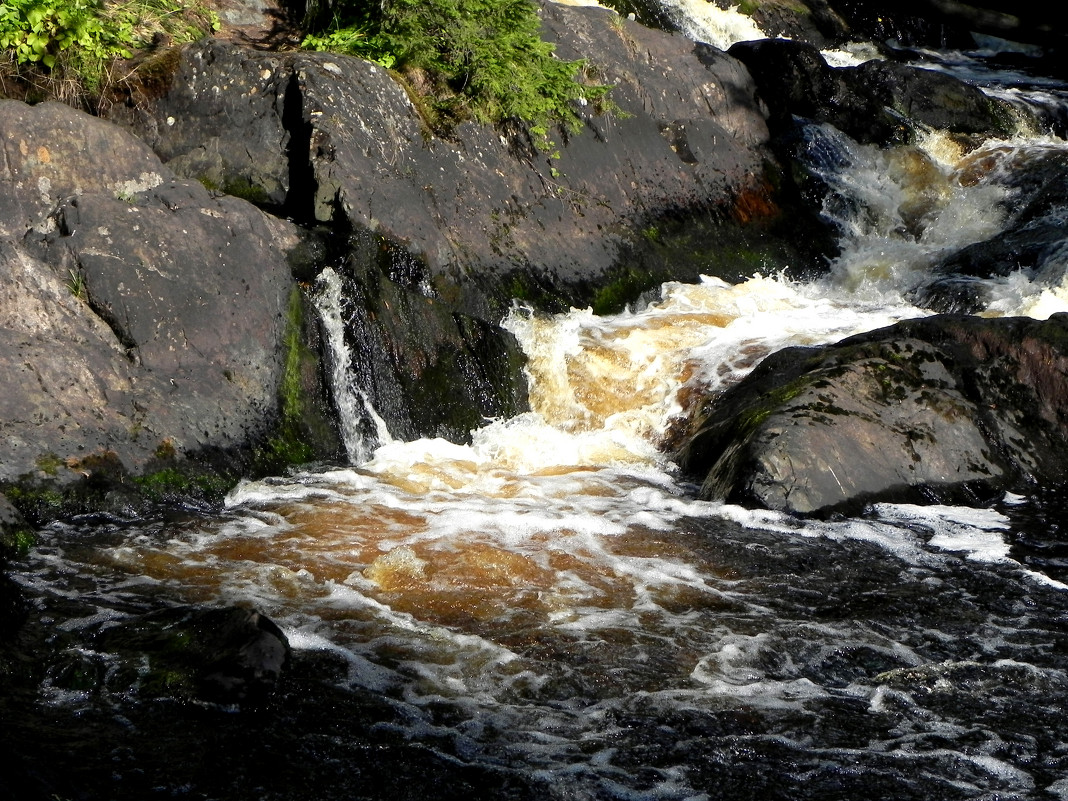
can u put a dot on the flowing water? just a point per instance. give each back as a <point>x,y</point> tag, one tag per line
<point>550,606</point>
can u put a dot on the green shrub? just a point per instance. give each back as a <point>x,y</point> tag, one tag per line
<point>484,59</point>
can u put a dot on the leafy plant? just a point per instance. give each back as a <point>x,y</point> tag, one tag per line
<point>76,41</point>
<point>39,31</point>
<point>481,59</point>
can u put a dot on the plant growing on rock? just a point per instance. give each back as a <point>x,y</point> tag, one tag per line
<point>480,59</point>
<point>68,48</point>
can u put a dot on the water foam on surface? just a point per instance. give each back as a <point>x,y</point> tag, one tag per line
<point>706,22</point>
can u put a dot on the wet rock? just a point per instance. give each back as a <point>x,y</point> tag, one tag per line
<point>229,655</point>
<point>940,409</point>
<point>939,23</point>
<point>910,23</point>
<point>13,529</point>
<point>879,102</point>
<point>490,216</point>
<point>144,319</point>
<point>793,79</point>
<point>15,538</point>
<point>813,21</point>
<point>932,98</point>
<point>427,369</point>
<point>444,232</point>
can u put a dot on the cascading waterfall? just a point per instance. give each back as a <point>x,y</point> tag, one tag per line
<point>550,600</point>
<point>362,429</point>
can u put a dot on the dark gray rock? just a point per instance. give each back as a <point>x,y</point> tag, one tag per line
<point>1034,238</point>
<point>489,216</point>
<point>229,655</point>
<point>931,98</point>
<point>878,102</point>
<point>940,409</point>
<point>12,528</point>
<point>427,369</point>
<point>144,319</point>
<point>1021,22</point>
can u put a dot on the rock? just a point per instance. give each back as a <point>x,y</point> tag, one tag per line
<point>427,369</point>
<point>50,151</point>
<point>878,102</point>
<point>14,531</point>
<point>941,409</point>
<point>931,98</point>
<point>909,23</point>
<point>1019,22</point>
<point>490,218</point>
<point>228,655</point>
<point>144,320</point>
<point>795,81</point>
<point>444,232</point>
<point>812,21</point>
<point>15,538</point>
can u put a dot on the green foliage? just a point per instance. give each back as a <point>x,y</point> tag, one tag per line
<point>246,190</point>
<point>483,59</point>
<point>76,284</point>
<point>49,464</point>
<point>178,483</point>
<point>625,286</point>
<point>39,30</point>
<point>17,542</point>
<point>81,38</point>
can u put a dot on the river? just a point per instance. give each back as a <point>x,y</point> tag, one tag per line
<point>548,613</point>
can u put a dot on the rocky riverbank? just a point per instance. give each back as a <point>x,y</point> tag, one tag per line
<point>179,263</point>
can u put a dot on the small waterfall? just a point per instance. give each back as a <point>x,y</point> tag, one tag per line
<point>362,429</point>
<point>706,22</point>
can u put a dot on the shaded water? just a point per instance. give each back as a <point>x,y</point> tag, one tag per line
<point>547,613</point>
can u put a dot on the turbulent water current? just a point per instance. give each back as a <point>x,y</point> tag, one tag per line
<point>550,607</point>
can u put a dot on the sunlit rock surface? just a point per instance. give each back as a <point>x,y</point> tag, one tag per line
<point>330,138</point>
<point>941,409</point>
<point>143,318</point>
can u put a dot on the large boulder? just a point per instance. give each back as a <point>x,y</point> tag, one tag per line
<point>878,102</point>
<point>489,216</point>
<point>912,23</point>
<point>947,23</point>
<point>939,409</point>
<point>144,319</point>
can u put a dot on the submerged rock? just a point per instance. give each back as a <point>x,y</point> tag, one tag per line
<point>940,409</point>
<point>228,655</point>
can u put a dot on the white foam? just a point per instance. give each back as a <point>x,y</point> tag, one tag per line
<point>706,22</point>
